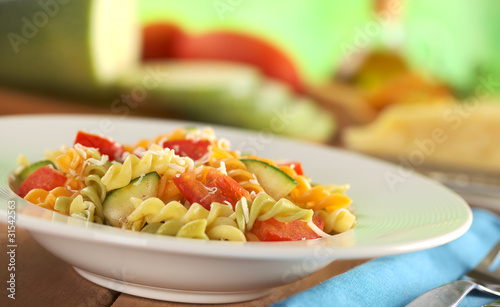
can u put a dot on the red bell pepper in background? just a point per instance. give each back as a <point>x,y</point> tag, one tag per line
<point>217,188</point>
<point>45,178</point>
<point>160,40</point>
<point>188,148</point>
<point>106,146</point>
<point>273,230</point>
<point>241,48</point>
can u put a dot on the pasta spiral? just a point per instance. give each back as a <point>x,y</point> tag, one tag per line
<point>264,207</point>
<point>319,197</point>
<point>162,161</point>
<point>338,221</point>
<point>94,192</point>
<point>219,151</point>
<point>168,191</point>
<point>175,220</point>
<point>74,160</point>
<point>47,199</point>
<point>78,207</point>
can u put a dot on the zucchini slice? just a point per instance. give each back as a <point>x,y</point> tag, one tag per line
<point>117,205</point>
<point>274,181</point>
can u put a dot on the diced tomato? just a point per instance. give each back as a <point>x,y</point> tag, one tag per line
<point>106,146</point>
<point>45,178</point>
<point>188,148</point>
<point>273,230</point>
<point>217,188</point>
<point>295,165</point>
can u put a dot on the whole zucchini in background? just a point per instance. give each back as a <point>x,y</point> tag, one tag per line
<point>67,46</point>
<point>232,94</point>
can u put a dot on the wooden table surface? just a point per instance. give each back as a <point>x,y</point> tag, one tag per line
<point>44,280</point>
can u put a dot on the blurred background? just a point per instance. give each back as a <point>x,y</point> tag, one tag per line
<point>414,81</point>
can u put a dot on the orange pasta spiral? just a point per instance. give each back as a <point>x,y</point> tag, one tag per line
<point>218,152</point>
<point>47,199</point>
<point>168,191</point>
<point>71,162</point>
<point>75,183</point>
<point>319,197</point>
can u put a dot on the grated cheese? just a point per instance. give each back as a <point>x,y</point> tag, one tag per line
<point>222,168</point>
<point>204,159</point>
<point>211,190</point>
<point>139,180</point>
<point>177,168</point>
<point>162,140</point>
<point>254,180</point>
<point>318,231</point>
<point>81,151</point>
<point>104,159</point>
<point>244,205</point>
<point>197,135</point>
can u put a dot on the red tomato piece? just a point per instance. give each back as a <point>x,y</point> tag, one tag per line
<point>188,148</point>
<point>242,48</point>
<point>106,146</point>
<point>45,178</point>
<point>272,230</point>
<point>159,40</point>
<point>218,188</point>
<point>295,165</point>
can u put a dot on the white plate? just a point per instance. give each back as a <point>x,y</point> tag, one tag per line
<point>397,212</point>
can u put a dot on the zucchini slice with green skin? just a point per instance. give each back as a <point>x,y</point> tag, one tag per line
<point>117,204</point>
<point>28,170</point>
<point>274,181</point>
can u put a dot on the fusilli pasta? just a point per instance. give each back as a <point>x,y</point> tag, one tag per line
<point>199,188</point>
<point>162,161</point>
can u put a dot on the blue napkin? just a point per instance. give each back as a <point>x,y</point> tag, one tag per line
<point>397,280</point>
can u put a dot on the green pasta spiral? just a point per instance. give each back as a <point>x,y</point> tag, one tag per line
<point>173,219</point>
<point>92,195</point>
<point>264,207</point>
